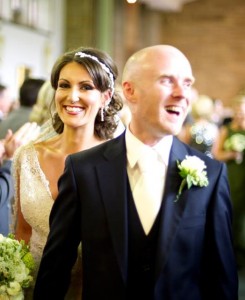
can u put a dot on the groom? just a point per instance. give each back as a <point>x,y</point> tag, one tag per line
<point>135,245</point>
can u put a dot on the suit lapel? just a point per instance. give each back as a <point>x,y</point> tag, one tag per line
<point>171,212</point>
<point>114,195</point>
<point>112,176</point>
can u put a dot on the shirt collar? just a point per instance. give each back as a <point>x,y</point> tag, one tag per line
<point>134,147</point>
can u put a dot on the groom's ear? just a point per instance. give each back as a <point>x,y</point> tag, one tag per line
<point>129,91</point>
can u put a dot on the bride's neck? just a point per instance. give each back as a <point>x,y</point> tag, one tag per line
<point>75,142</point>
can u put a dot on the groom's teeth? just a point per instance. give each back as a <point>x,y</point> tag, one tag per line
<point>173,108</point>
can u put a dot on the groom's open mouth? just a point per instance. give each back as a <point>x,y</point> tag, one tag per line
<point>174,110</point>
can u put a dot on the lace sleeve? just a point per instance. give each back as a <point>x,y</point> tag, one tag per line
<point>21,157</point>
<point>47,132</point>
<point>15,175</point>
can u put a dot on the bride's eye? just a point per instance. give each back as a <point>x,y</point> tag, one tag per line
<point>87,87</point>
<point>63,85</point>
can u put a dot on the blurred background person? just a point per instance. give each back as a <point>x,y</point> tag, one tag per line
<point>201,133</point>
<point>6,101</point>
<point>188,122</point>
<point>219,112</point>
<point>124,115</point>
<point>6,190</point>
<point>41,110</point>
<point>8,147</point>
<point>27,98</point>
<point>229,147</point>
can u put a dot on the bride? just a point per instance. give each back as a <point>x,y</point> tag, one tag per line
<point>83,113</point>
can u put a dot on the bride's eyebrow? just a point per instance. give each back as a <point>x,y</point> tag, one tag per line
<point>63,79</point>
<point>87,81</point>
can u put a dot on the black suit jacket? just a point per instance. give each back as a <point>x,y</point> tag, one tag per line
<point>194,258</point>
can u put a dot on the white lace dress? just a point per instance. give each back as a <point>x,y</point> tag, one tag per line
<point>36,202</point>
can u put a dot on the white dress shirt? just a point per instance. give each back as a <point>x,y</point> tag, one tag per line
<point>156,179</point>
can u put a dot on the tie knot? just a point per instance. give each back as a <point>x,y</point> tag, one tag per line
<point>147,160</point>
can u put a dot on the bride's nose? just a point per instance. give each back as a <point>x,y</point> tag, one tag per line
<point>74,96</point>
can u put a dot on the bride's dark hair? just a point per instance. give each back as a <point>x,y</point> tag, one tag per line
<point>104,129</point>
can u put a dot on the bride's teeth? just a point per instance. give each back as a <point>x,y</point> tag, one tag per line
<point>73,109</point>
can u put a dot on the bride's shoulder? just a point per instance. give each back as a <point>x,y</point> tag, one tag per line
<point>23,151</point>
<point>49,152</point>
<point>23,156</point>
<point>47,147</point>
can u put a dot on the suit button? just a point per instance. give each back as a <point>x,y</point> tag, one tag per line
<point>146,268</point>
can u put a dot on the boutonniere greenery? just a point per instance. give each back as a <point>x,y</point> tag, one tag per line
<point>192,170</point>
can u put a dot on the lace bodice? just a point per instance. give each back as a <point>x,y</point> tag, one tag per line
<point>36,199</point>
<point>36,203</point>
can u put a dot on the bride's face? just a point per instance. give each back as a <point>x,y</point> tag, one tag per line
<point>76,98</point>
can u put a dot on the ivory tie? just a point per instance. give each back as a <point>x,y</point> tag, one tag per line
<point>149,188</point>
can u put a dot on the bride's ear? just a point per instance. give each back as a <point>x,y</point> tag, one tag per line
<point>107,95</point>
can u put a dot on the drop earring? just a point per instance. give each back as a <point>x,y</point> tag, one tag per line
<point>102,114</point>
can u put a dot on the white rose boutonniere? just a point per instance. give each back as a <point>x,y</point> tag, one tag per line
<point>192,170</point>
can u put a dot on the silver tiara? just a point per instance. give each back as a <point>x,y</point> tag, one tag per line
<point>103,66</point>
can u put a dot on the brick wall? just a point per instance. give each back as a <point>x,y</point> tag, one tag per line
<point>210,32</point>
<point>80,23</point>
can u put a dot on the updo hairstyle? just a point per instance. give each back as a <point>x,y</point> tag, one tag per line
<point>104,129</point>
